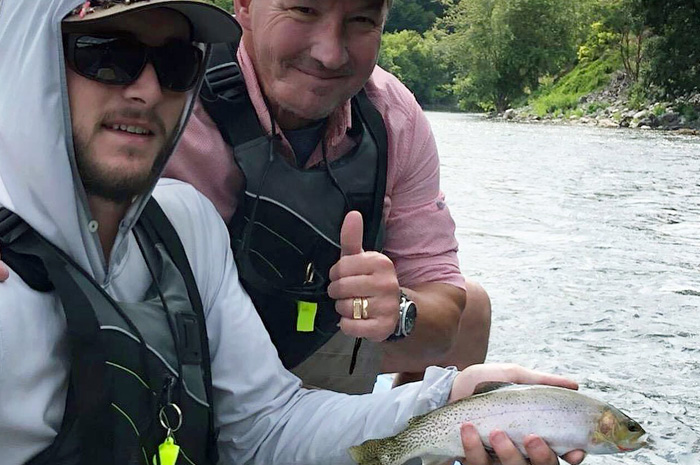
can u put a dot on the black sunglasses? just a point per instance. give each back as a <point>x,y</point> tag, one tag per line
<point>112,59</point>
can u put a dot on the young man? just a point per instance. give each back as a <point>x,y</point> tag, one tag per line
<point>347,136</point>
<point>124,335</point>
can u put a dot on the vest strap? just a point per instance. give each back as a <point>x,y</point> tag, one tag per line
<point>156,224</point>
<point>225,97</point>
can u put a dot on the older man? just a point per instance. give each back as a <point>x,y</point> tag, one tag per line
<point>125,337</point>
<point>345,135</point>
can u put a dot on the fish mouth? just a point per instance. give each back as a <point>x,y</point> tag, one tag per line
<point>644,440</point>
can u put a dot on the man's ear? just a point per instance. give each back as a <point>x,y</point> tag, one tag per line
<point>243,13</point>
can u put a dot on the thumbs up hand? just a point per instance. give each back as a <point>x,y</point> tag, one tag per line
<point>368,276</point>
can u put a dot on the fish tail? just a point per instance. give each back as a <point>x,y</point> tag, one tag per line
<point>367,453</point>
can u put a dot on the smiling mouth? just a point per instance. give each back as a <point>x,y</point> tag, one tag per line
<point>128,129</point>
<point>324,76</point>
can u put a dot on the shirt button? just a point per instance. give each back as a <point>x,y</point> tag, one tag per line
<point>92,226</point>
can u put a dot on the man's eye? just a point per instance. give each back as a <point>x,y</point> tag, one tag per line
<point>365,20</point>
<point>304,10</point>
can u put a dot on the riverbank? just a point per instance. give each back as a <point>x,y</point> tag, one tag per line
<point>614,107</point>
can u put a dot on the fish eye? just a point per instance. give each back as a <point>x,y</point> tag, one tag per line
<point>633,426</point>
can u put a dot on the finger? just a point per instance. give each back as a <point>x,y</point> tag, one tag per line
<point>4,271</point>
<point>345,307</point>
<point>539,452</point>
<point>504,448</point>
<point>361,285</point>
<point>550,379</point>
<point>574,457</point>
<point>474,452</point>
<point>351,234</point>
<point>520,375</point>
<point>363,263</point>
<point>370,329</point>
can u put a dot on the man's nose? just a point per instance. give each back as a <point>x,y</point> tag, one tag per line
<point>330,46</point>
<point>146,88</point>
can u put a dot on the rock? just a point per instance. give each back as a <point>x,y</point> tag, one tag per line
<point>640,115</point>
<point>650,120</point>
<point>669,119</point>
<point>646,127</point>
<point>607,123</point>
<point>509,114</point>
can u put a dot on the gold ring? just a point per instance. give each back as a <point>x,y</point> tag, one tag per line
<point>357,304</point>
<point>365,304</point>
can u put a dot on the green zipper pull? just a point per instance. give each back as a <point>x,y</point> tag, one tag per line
<point>168,452</point>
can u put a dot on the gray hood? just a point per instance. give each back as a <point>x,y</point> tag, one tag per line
<point>38,176</point>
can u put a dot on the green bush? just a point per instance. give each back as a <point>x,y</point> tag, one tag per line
<point>689,112</point>
<point>585,78</point>
<point>638,96</point>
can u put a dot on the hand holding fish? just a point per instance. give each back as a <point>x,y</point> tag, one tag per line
<point>516,423</point>
<point>466,382</point>
<point>508,454</point>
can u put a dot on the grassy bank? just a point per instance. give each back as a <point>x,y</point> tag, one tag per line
<point>564,95</point>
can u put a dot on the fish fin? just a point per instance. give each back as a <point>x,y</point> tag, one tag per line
<point>488,386</point>
<point>437,460</point>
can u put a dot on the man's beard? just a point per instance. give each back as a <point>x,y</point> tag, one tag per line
<point>111,184</point>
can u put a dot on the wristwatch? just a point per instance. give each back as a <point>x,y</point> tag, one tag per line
<point>407,318</point>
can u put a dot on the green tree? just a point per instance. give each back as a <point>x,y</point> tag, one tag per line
<point>625,19</point>
<point>413,59</point>
<point>501,48</point>
<point>674,55</point>
<point>415,15</point>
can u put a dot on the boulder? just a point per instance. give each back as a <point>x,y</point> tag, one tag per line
<point>669,119</point>
<point>607,123</point>
<point>640,115</point>
<point>509,114</point>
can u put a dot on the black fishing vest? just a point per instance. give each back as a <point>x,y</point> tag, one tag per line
<point>285,234</point>
<point>133,365</point>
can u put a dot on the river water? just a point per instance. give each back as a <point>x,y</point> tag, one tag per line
<point>588,242</point>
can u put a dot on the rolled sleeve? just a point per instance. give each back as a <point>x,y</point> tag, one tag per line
<point>420,231</point>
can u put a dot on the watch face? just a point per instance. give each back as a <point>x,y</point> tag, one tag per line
<point>410,321</point>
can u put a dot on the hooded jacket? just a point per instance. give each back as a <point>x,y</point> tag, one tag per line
<point>263,414</point>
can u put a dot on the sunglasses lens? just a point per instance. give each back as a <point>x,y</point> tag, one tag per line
<point>177,64</point>
<point>108,59</point>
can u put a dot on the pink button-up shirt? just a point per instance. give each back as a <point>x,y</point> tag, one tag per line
<point>419,229</point>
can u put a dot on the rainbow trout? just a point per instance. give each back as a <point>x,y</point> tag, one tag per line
<point>565,419</point>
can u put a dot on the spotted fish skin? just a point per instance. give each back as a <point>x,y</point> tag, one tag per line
<point>565,419</point>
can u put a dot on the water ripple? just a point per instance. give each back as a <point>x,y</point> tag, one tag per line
<point>588,241</point>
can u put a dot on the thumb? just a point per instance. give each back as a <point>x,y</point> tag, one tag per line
<point>351,234</point>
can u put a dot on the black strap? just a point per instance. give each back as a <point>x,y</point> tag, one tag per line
<point>88,365</point>
<point>377,129</point>
<point>156,223</point>
<point>29,267</point>
<point>21,244</point>
<point>225,97</point>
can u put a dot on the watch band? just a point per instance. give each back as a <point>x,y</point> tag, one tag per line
<point>402,330</point>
